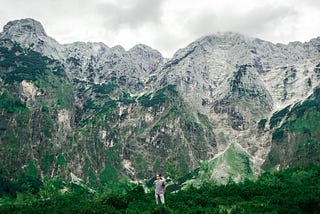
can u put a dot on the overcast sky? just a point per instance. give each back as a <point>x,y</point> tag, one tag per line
<point>167,25</point>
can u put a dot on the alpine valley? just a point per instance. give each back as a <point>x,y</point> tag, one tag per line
<point>225,107</point>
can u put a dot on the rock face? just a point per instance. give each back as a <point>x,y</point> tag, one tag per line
<point>97,63</point>
<point>100,113</point>
<point>30,34</point>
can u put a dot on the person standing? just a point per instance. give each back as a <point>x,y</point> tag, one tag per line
<point>159,189</point>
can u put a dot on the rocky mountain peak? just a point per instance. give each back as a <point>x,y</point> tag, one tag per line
<point>87,49</point>
<point>23,26</point>
<point>146,58</point>
<point>118,49</point>
<point>30,34</point>
<point>144,51</point>
<point>225,37</point>
<point>225,46</point>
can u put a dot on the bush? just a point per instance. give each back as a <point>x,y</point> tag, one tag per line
<point>10,104</point>
<point>278,116</point>
<point>289,191</point>
<point>161,96</point>
<point>262,124</point>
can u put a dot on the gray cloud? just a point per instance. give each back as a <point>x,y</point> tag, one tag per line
<point>168,42</point>
<point>206,22</point>
<point>313,3</point>
<point>264,19</point>
<point>133,14</point>
<point>256,21</point>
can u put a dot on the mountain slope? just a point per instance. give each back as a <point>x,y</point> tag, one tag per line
<point>85,110</point>
<point>295,139</point>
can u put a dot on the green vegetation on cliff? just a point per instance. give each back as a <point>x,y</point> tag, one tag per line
<point>159,97</point>
<point>9,103</point>
<point>34,93</point>
<point>297,141</point>
<point>18,64</point>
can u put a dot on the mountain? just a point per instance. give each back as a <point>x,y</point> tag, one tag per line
<point>88,111</point>
<point>295,139</point>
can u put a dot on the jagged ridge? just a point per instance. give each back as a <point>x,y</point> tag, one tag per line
<point>134,112</point>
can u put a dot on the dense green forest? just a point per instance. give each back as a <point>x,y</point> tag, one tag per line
<point>294,190</point>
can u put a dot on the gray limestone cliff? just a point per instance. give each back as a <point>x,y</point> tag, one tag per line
<point>100,113</point>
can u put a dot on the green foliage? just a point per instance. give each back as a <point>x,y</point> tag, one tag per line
<point>204,120</point>
<point>10,104</point>
<point>171,170</point>
<point>61,160</point>
<point>63,94</point>
<point>238,161</point>
<point>278,116</point>
<point>19,64</point>
<point>240,88</point>
<point>127,99</point>
<point>32,169</point>
<point>262,124</point>
<point>140,165</point>
<point>205,172</point>
<point>91,105</point>
<point>277,135</point>
<point>236,84</point>
<point>51,188</point>
<point>273,157</point>
<point>289,191</point>
<point>297,141</point>
<point>316,92</point>
<point>47,75</point>
<point>159,97</point>
<point>46,125</point>
<point>109,173</point>
<point>104,88</point>
<point>46,161</point>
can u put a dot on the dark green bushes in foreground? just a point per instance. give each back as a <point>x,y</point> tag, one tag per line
<point>289,191</point>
